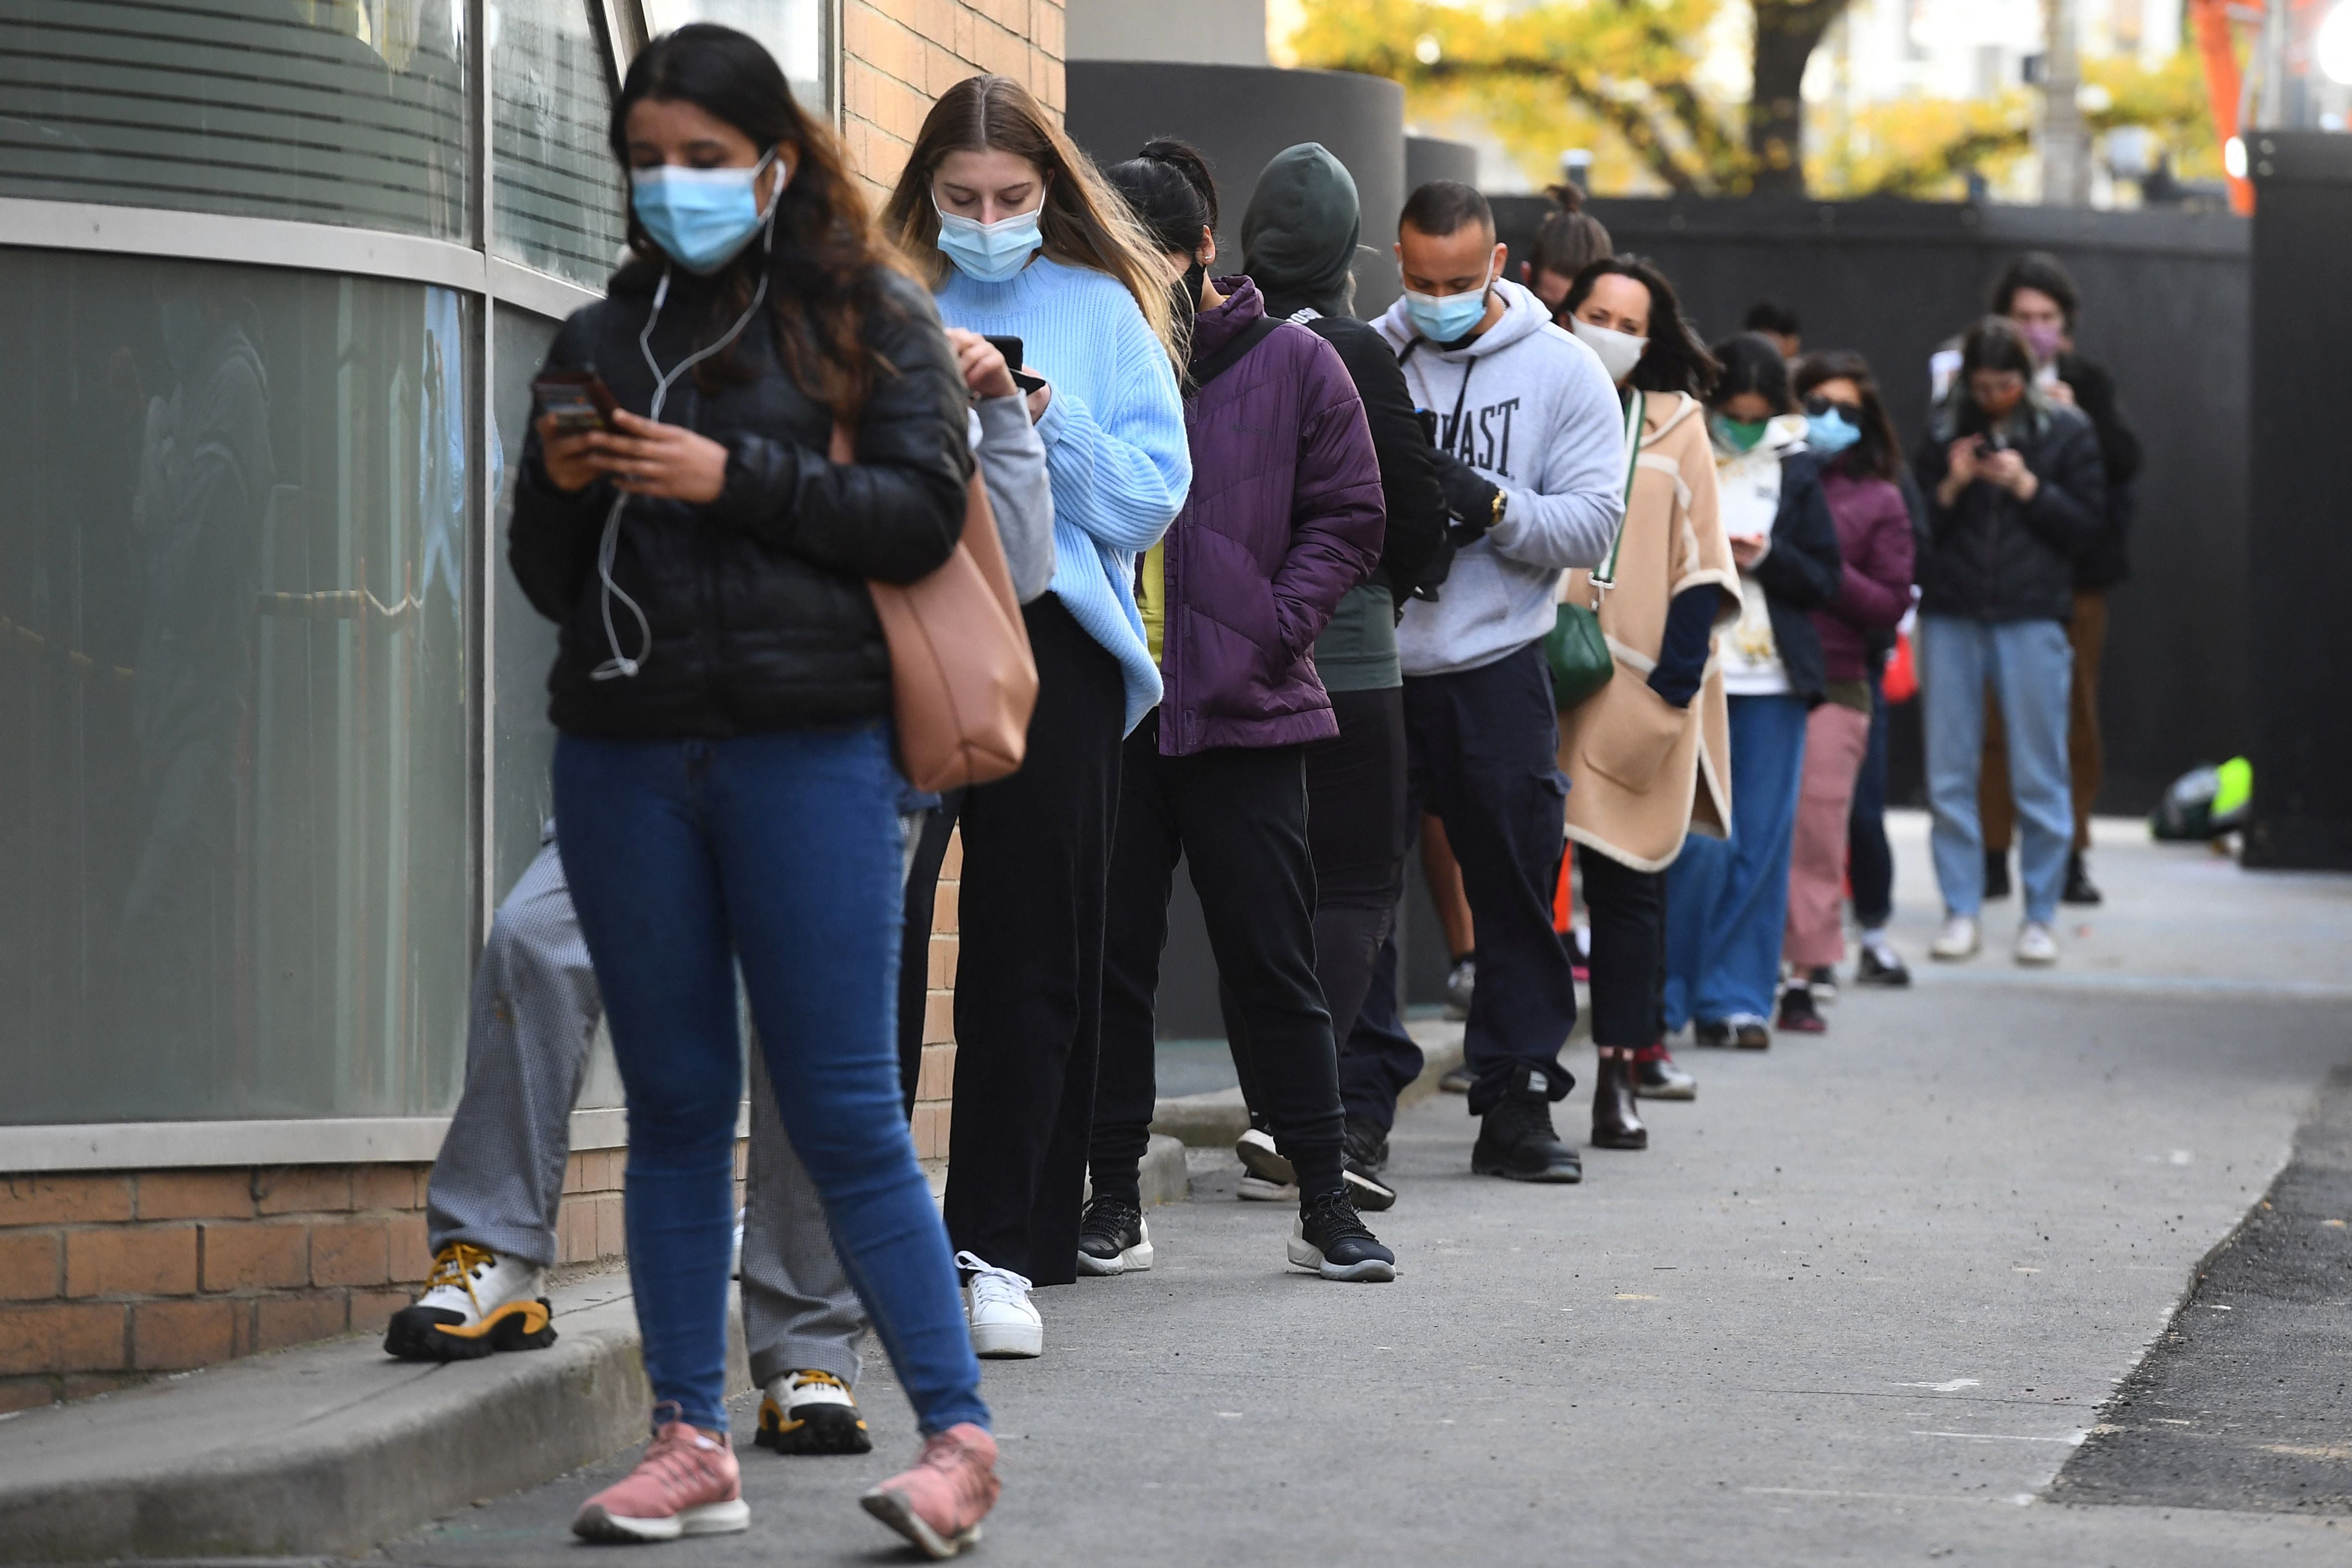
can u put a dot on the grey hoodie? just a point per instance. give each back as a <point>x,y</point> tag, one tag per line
<point>1013,464</point>
<point>1539,417</point>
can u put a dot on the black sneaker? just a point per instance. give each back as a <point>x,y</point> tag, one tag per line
<point>1710,1032</point>
<point>2079,889</point>
<point>1823,981</point>
<point>1516,1141</point>
<point>1330,1239</point>
<point>1111,1238</point>
<point>1798,1014</point>
<point>1996,873</point>
<point>1366,1155</point>
<point>1458,1082</point>
<point>1885,970</point>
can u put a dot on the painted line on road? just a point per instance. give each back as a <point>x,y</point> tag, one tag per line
<point>2018,1498</point>
<point>2073,1442</point>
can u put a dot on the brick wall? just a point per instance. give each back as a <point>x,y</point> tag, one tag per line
<point>935,1091</point>
<point>900,54</point>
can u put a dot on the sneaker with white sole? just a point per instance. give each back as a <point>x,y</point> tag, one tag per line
<point>1005,1325</point>
<point>811,1412</point>
<point>2035,944</point>
<point>1959,939</point>
<point>1258,1190</point>
<point>1255,1149</point>
<point>474,1301</point>
<point>685,1483</point>
<point>940,1503</point>
<point>1113,1238</point>
<point>1333,1242</point>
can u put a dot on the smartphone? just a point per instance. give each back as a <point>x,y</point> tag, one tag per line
<point>578,399</point>
<point>1011,349</point>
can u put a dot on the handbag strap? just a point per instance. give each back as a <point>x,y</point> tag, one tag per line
<point>1606,578</point>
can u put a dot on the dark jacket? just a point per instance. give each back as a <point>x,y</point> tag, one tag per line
<point>1283,517</point>
<point>2107,562</point>
<point>759,613</point>
<point>1801,572</point>
<point>1409,492</point>
<point>1874,551</point>
<point>1988,557</point>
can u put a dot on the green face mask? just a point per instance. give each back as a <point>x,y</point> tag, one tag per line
<point>1739,435</point>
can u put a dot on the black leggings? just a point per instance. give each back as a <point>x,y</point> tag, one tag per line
<point>1629,950</point>
<point>1237,817</point>
<point>1356,837</point>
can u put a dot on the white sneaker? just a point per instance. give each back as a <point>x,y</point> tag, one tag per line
<point>1257,1153</point>
<point>1958,939</point>
<point>1005,1326</point>
<point>1258,1190</point>
<point>2035,945</point>
<point>474,1301</point>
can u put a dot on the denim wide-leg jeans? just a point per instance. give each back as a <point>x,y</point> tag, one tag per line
<point>1728,899</point>
<point>782,850</point>
<point>2031,666</point>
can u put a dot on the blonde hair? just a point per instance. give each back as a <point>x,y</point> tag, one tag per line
<point>1083,222</point>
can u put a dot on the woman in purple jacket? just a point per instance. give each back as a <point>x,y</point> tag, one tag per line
<point>1845,419</point>
<point>1283,517</point>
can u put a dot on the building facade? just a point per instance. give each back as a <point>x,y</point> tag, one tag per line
<point>274,278</point>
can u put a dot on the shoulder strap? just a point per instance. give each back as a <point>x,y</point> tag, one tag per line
<point>1232,354</point>
<point>1606,578</point>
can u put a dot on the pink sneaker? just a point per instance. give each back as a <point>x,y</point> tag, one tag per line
<point>685,1484</point>
<point>940,1503</point>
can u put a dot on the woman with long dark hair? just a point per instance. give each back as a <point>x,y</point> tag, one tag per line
<point>1728,902</point>
<point>1285,517</point>
<point>724,786</point>
<point>1018,237</point>
<point>1648,756</point>
<point>1846,423</point>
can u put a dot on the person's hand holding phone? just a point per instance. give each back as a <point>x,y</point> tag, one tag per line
<point>1961,468</point>
<point>981,365</point>
<point>667,462</point>
<point>2008,470</point>
<point>1038,399</point>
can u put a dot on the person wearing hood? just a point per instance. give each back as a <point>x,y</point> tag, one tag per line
<point>1648,755</point>
<point>1299,245</point>
<point>1727,902</point>
<point>1284,517</point>
<point>1531,458</point>
<point>2016,490</point>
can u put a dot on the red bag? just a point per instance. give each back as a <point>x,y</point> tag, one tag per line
<point>1901,682</point>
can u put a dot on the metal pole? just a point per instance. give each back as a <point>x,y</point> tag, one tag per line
<point>2065,139</point>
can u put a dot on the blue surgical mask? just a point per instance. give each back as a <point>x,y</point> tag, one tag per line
<point>1829,433</point>
<point>988,252</point>
<point>1443,318</point>
<point>702,217</point>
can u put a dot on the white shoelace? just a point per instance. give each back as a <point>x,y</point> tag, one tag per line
<point>991,1285</point>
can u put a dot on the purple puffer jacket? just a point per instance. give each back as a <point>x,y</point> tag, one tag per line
<point>1875,541</point>
<point>1283,517</point>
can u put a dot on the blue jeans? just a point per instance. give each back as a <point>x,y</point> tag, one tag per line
<point>2031,666</point>
<point>782,850</point>
<point>1728,899</point>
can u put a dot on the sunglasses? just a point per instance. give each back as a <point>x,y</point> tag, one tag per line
<point>1852,412</point>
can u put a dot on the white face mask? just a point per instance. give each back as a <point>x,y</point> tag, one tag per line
<point>1619,352</point>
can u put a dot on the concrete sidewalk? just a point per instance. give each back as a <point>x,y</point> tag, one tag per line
<point>1855,1305</point>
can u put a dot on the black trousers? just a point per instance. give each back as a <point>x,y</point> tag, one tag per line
<point>1482,756</point>
<point>1629,950</point>
<point>1870,863</point>
<point>1237,816</point>
<point>1356,837</point>
<point>1377,1058</point>
<point>1028,1006</point>
<point>915,940</point>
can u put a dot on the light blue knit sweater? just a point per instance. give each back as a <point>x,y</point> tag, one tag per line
<point>1115,446</point>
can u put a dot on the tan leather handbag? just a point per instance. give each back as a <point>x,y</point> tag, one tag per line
<point>963,681</point>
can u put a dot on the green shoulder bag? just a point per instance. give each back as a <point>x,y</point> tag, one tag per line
<point>1575,648</point>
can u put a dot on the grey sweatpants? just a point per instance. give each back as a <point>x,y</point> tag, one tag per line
<point>500,1178</point>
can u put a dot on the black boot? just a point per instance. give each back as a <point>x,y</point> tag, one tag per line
<point>1516,1138</point>
<point>1996,874</point>
<point>2079,889</point>
<point>1615,1124</point>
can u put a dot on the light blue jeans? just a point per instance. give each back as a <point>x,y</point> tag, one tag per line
<point>2031,667</point>
<point>1728,899</point>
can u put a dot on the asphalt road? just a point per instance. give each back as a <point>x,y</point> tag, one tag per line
<point>1858,1303</point>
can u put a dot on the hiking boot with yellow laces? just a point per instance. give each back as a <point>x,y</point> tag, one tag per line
<point>811,1412</point>
<point>475,1302</point>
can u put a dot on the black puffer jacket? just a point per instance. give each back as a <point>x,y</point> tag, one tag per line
<point>1988,557</point>
<point>760,616</point>
<point>1801,572</point>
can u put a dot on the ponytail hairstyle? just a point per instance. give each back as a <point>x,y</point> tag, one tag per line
<point>1083,222</point>
<point>1676,361</point>
<point>1570,239</point>
<point>1168,189</point>
<point>824,265</point>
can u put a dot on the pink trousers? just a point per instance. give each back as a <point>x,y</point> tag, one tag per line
<point>1835,738</point>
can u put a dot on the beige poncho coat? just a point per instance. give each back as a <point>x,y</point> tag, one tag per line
<point>1642,774</point>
